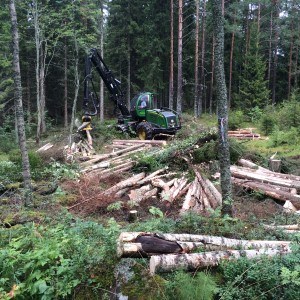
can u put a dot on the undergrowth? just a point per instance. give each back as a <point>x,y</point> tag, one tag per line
<point>53,262</point>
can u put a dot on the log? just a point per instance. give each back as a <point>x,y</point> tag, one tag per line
<point>174,193</point>
<point>249,164</point>
<point>137,195</point>
<point>138,249</point>
<point>268,191</point>
<point>105,165</point>
<point>189,201</point>
<point>213,195</point>
<point>287,227</point>
<point>149,142</point>
<point>195,261</point>
<point>261,171</point>
<point>275,165</point>
<point>125,183</point>
<point>221,242</point>
<point>112,154</point>
<point>132,216</point>
<point>267,178</point>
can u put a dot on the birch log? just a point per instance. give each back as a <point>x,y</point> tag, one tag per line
<point>195,261</point>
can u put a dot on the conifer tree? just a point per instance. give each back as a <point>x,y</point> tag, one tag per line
<point>253,89</point>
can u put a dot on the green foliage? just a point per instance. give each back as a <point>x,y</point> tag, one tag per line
<point>49,263</point>
<point>236,119</point>
<point>155,211</point>
<point>184,286</point>
<point>58,171</point>
<point>255,113</point>
<point>9,172</point>
<point>289,137</point>
<point>115,206</point>
<point>267,123</point>
<point>266,278</point>
<point>288,114</point>
<point>206,153</point>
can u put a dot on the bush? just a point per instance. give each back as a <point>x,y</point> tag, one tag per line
<point>236,119</point>
<point>289,114</point>
<point>201,286</point>
<point>290,137</point>
<point>262,279</point>
<point>49,263</point>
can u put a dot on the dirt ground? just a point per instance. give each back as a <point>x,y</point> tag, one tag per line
<point>88,201</point>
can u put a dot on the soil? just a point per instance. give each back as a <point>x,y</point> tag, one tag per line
<point>90,203</point>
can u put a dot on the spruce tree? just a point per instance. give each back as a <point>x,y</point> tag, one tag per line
<point>253,89</point>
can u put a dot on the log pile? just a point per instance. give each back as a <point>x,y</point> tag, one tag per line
<point>169,252</point>
<point>284,188</point>
<point>244,134</point>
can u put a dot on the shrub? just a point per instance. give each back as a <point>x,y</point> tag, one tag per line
<point>49,263</point>
<point>201,286</point>
<point>290,137</point>
<point>267,123</point>
<point>261,279</point>
<point>236,119</point>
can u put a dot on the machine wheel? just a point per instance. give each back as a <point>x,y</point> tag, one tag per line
<point>144,131</point>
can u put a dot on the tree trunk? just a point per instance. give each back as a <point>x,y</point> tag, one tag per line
<point>19,105</point>
<point>212,75</point>
<point>221,95</point>
<point>171,76</point>
<point>196,76</point>
<point>101,92</point>
<point>179,78</point>
<point>231,62</point>
<point>66,84</point>
<point>202,63</point>
<point>275,50</point>
<point>195,261</point>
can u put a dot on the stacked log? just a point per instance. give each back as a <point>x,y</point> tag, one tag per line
<point>169,252</point>
<point>244,134</point>
<point>282,187</point>
<point>201,195</point>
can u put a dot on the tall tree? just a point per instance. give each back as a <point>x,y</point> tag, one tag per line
<point>196,75</point>
<point>19,104</point>
<point>171,76</point>
<point>221,95</point>
<point>179,64</point>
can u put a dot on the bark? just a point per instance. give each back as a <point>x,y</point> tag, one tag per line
<point>202,61</point>
<point>269,191</point>
<point>66,84</point>
<point>196,76</point>
<point>125,183</point>
<point>19,104</point>
<point>179,66</point>
<point>130,142</point>
<point>212,75</point>
<point>195,261</point>
<point>275,50</point>
<point>221,95</point>
<point>171,76</point>
<point>286,180</point>
<point>101,92</point>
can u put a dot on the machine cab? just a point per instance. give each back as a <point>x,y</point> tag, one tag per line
<point>140,103</point>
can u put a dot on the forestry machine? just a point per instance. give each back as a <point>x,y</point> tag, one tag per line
<point>144,118</point>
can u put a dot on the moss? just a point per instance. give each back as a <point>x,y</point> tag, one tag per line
<point>142,285</point>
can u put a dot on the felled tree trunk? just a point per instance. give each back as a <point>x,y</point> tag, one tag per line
<point>146,244</point>
<point>269,191</point>
<point>195,261</point>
